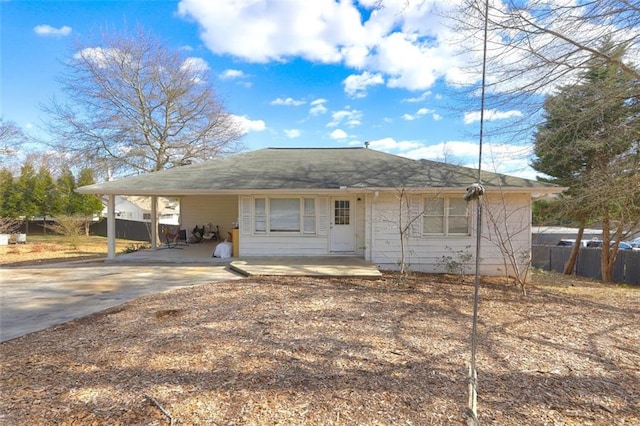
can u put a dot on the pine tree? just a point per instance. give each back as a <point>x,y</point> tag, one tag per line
<point>86,205</point>
<point>589,143</point>
<point>45,196</point>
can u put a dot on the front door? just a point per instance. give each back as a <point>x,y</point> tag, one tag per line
<point>342,226</point>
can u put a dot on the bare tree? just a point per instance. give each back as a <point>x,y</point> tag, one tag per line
<point>406,220</point>
<point>509,230</point>
<point>12,137</point>
<point>136,105</point>
<point>538,45</point>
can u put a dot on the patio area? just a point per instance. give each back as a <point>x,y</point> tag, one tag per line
<point>202,254</point>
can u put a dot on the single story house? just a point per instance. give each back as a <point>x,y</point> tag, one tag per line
<point>345,201</point>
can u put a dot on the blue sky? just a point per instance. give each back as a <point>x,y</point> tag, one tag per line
<point>295,73</point>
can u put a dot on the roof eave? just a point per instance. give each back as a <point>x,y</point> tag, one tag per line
<point>542,191</point>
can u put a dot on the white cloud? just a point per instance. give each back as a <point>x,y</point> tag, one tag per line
<point>262,30</point>
<point>100,56</point>
<point>437,117</point>
<point>231,74</point>
<point>293,133</point>
<point>317,107</point>
<point>423,97</point>
<point>420,113</point>
<point>357,85</point>
<point>287,102</point>
<point>195,65</point>
<point>247,125</point>
<point>350,118</point>
<point>338,134</point>
<point>501,158</point>
<point>391,145</point>
<point>490,115</point>
<point>196,68</point>
<point>404,44</point>
<point>48,30</point>
<point>409,44</point>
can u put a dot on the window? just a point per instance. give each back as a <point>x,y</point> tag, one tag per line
<point>341,212</point>
<point>284,215</point>
<point>146,216</point>
<point>309,216</point>
<point>260,214</point>
<point>445,216</point>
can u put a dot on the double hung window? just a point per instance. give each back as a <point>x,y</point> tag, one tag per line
<point>284,215</point>
<point>445,216</point>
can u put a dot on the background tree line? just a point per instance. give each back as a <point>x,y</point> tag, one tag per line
<point>37,193</point>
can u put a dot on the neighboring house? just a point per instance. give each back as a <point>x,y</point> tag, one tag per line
<point>138,209</point>
<point>345,201</point>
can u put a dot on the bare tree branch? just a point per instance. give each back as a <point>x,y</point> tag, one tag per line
<point>140,106</point>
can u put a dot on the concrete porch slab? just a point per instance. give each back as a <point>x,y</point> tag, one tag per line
<point>326,266</point>
<point>201,254</point>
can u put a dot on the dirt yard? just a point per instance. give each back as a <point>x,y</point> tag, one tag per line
<point>41,249</point>
<point>308,351</point>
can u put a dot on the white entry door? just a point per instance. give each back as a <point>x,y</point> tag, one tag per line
<point>342,238</point>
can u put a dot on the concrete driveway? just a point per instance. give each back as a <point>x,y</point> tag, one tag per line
<point>35,298</point>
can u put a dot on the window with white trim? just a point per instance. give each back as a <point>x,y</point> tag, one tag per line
<point>309,218</point>
<point>284,215</point>
<point>260,215</point>
<point>446,216</point>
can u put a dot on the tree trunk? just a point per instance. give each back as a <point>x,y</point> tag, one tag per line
<point>569,267</point>
<point>606,267</point>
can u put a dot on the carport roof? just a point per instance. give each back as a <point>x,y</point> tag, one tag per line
<point>291,169</point>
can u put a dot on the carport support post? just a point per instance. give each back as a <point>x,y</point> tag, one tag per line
<point>111,227</point>
<point>154,222</point>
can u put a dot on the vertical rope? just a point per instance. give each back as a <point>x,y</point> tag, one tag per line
<point>473,374</point>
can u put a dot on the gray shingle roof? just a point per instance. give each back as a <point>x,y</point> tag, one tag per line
<point>307,169</point>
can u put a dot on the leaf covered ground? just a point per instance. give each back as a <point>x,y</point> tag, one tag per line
<point>306,351</point>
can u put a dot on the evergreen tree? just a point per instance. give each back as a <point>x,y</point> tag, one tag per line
<point>589,143</point>
<point>25,187</point>
<point>86,205</point>
<point>9,195</point>
<point>45,196</point>
<point>66,186</point>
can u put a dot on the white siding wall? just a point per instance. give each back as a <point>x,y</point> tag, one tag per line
<point>220,210</point>
<point>424,253</point>
<point>129,211</point>
<point>506,219</point>
<point>252,244</point>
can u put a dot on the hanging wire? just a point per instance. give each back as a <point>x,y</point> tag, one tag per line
<point>476,192</point>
